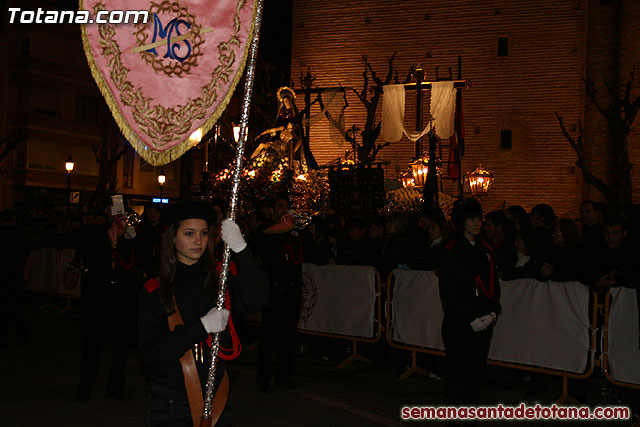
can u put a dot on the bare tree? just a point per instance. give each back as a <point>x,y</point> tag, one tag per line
<point>619,116</point>
<point>107,155</point>
<point>9,143</point>
<point>368,150</point>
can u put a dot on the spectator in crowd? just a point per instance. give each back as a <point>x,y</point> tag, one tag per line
<point>149,240</point>
<point>439,234</point>
<point>526,266</point>
<point>470,293</point>
<point>419,237</point>
<point>569,254</point>
<point>109,299</point>
<point>614,264</point>
<point>376,237</point>
<point>602,211</point>
<point>519,217</point>
<point>590,224</point>
<point>355,250</point>
<point>398,250</point>
<point>254,222</point>
<point>543,221</point>
<point>498,232</point>
<point>324,249</point>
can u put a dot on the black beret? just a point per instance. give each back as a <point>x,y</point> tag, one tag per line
<point>464,209</point>
<point>191,209</point>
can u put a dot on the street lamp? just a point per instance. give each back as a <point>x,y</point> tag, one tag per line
<point>68,165</point>
<point>161,180</point>
<point>236,133</point>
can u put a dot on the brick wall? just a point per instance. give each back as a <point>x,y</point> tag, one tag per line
<point>549,48</point>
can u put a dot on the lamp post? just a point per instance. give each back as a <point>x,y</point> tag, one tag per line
<point>236,133</point>
<point>68,165</point>
<point>161,180</point>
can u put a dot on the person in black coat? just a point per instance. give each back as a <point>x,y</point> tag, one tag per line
<point>109,291</point>
<point>470,293</point>
<point>282,248</point>
<point>150,239</point>
<point>188,286</point>
<point>13,257</point>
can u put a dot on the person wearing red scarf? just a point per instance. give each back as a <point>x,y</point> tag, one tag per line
<point>470,293</point>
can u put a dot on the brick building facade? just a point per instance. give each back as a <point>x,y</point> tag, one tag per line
<point>552,46</point>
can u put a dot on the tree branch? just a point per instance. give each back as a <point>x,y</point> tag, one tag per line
<point>589,177</point>
<point>378,148</point>
<point>592,93</point>
<point>11,142</point>
<point>365,77</point>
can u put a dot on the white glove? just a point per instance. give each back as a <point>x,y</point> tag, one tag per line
<point>215,320</point>
<point>130,232</point>
<point>477,325</point>
<point>232,236</point>
<point>487,320</point>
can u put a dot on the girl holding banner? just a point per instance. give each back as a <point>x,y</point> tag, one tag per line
<point>178,311</point>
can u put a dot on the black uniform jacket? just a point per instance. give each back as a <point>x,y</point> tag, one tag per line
<point>248,292</point>
<point>469,285</point>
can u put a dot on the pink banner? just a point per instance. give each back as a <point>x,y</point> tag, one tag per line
<point>167,81</point>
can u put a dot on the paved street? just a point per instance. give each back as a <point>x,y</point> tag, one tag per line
<point>39,378</point>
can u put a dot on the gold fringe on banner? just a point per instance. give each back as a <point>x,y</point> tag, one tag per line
<point>157,157</point>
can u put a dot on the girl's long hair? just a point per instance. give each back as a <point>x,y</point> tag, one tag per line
<point>168,263</point>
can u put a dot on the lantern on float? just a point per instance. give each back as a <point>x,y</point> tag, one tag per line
<point>480,179</point>
<point>420,169</point>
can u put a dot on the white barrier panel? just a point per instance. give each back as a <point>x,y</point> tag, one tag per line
<point>41,270</point>
<point>69,285</point>
<point>624,355</point>
<point>416,309</point>
<point>338,299</point>
<point>543,324</point>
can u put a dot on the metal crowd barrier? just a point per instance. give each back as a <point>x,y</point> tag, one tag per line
<point>625,342</point>
<point>439,349</point>
<point>331,310</point>
<point>47,273</point>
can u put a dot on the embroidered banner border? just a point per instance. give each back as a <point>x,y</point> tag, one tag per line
<point>159,133</point>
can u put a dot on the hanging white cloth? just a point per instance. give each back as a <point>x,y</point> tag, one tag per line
<point>393,116</point>
<point>392,113</point>
<point>442,110</point>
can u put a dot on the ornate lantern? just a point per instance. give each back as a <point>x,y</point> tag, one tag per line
<point>479,181</point>
<point>420,169</point>
<point>407,178</point>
